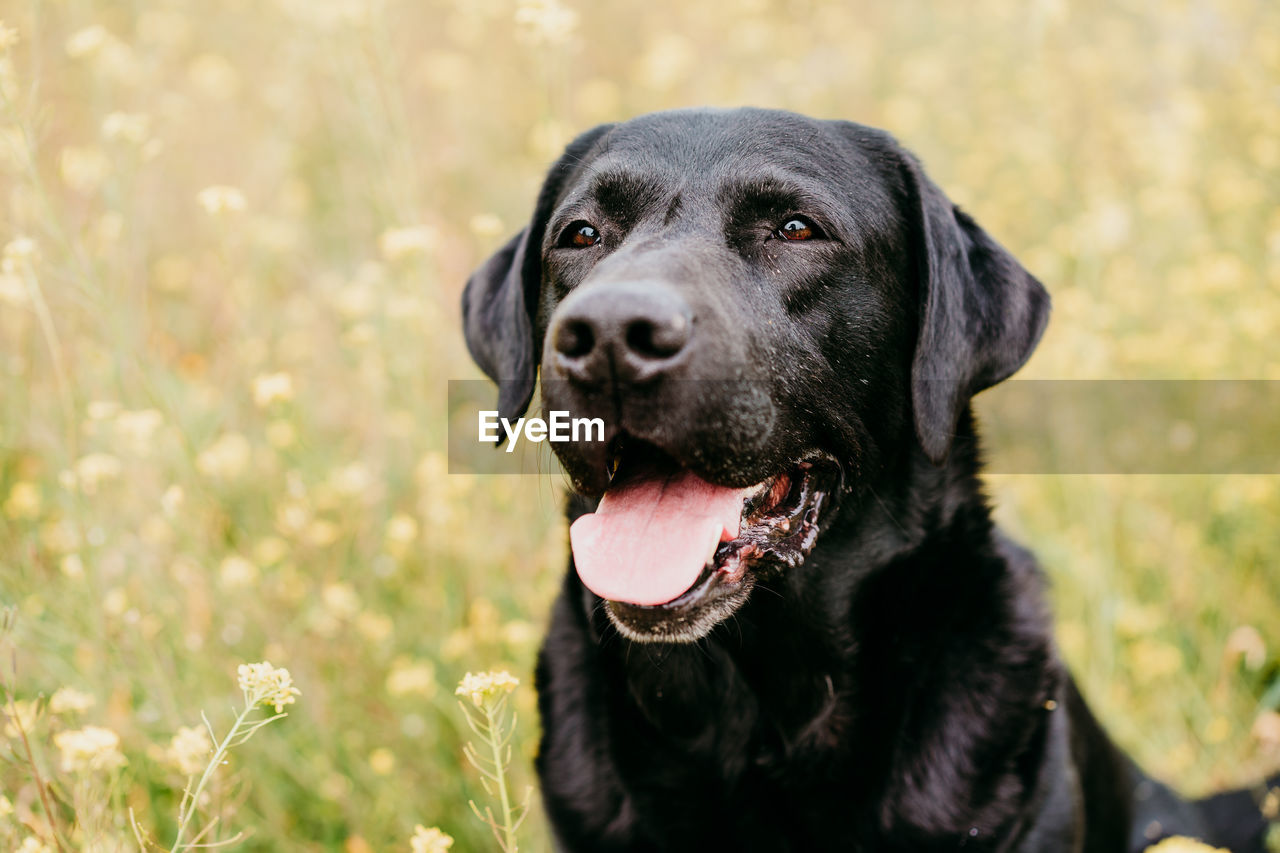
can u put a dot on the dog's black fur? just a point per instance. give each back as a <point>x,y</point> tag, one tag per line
<point>897,691</point>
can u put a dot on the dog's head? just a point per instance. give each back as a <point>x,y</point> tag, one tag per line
<point>767,311</point>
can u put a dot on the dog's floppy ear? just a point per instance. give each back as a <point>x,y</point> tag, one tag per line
<point>501,298</point>
<point>981,313</point>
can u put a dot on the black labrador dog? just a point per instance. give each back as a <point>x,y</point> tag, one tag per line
<point>791,624</point>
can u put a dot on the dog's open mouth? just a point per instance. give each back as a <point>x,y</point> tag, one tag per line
<point>673,554</point>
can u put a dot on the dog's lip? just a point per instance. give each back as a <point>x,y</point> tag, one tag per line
<point>756,543</point>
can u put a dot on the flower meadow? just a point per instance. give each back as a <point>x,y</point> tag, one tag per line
<point>245,603</point>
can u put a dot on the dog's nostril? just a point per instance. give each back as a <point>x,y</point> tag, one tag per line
<point>657,340</point>
<point>575,339</point>
<point>640,337</point>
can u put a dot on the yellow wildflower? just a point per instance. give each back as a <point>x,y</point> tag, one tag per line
<point>86,41</point>
<point>351,480</point>
<point>189,750</point>
<point>68,700</point>
<point>409,675</point>
<point>270,550</point>
<point>115,602</point>
<point>101,410</point>
<point>61,536</point>
<point>20,252</point>
<point>398,242</point>
<point>221,199</point>
<point>486,225</point>
<point>1246,643</point>
<point>236,572</point>
<point>23,500</point>
<point>72,566</point>
<point>382,761</point>
<point>127,127</point>
<point>375,627</point>
<point>265,684</point>
<point>90,748</point>
<point>226,458</point>
<point>520,633</point>
<point>401,529</point>
<point>6,807</point>
<point>171,500</point>
<point>138,428</point>
<point>8,37</point>
<point>94,469</point>
<point>481,686</point>
<point>667,61</point>
<point>20,717</point>
<point>12,290</point>
<point>340,599</point>
<point>321,532</point>
<point>545,22</point>
<point>270,387</point>
<point>429,840</point>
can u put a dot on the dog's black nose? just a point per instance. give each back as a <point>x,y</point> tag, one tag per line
<point>630,333</point>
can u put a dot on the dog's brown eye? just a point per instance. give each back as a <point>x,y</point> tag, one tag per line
<point>797,229</point>
<point>580,235</point>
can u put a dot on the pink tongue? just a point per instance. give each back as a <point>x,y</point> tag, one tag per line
<point>651,536</point>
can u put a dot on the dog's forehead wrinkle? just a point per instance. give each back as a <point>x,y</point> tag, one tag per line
<point>779,193</point>
<point>673,208</point>
<point>625,184</point>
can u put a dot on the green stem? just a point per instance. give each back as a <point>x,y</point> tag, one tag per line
<point>500,771</point>
<point>194,796</point>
